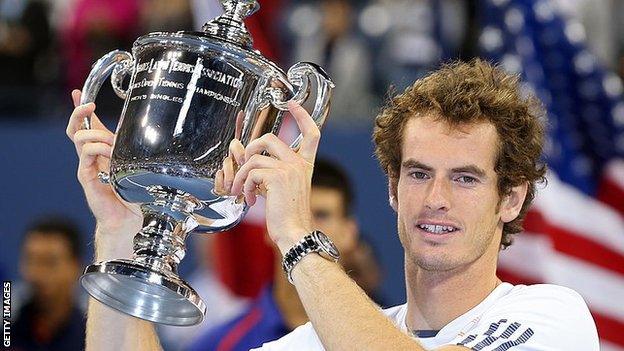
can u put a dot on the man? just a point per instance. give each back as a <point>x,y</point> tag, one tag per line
<point>461,149</point>
<point>50,265</point>
<point>277,311</point>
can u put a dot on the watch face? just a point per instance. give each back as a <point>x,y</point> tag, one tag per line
<point>328,245</point>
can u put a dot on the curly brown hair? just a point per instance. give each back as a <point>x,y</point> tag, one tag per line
<point>465,93</point>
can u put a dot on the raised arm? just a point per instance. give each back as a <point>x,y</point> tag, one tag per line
<point>117,222</point>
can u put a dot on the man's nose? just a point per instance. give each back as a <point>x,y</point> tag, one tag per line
<point>438,195</point>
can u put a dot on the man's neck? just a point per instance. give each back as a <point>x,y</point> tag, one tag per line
<point>287,300</point>
<point>437,298</point>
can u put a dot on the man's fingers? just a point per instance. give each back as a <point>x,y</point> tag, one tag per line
<point>97,124</point>
<point>237,150</point>
<point>76,118</point>
<point>272,145</point>
<point>76,97</point>
<point>82,137</point>
<point>309,130</point>
<point>228,173</point>
<point>96,149</point>
<point>254,163</point>
<point>88,156</point>
<point>255,184</point>
<point>218,184</point>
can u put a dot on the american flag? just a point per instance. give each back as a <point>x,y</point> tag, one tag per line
<point>574,234</point>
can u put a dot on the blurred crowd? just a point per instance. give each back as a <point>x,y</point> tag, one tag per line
<point>47,47</point>
<point>368,46</point>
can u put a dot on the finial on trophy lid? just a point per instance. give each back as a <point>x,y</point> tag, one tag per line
<point>229,26</point>
<point>241,8</point>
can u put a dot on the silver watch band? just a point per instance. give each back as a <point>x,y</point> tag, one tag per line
<point>315,242</point>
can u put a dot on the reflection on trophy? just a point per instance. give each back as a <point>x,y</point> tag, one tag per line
<point>190,94</point>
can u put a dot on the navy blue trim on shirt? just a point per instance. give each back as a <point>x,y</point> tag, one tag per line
<point>425,333</point>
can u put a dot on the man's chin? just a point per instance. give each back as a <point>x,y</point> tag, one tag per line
<point>435,266</point>
<point>432,261</point>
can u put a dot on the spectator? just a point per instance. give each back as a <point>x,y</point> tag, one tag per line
<point>51,264</point>
<point>94,28</point>
<point>25,41</point>
<point>410,48</point>
<point>326,34</point>
<point>166,16</point>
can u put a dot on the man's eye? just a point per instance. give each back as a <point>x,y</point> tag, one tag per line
<point>467,179</point>
<point>419,175</point>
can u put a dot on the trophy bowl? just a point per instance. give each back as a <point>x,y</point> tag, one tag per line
<point>189,95</point>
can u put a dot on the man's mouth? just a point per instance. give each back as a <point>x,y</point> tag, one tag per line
<point>437,229</point>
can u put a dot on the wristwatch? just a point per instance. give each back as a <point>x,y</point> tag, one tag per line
<point>316,242</point>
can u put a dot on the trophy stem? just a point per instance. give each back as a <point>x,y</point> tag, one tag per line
<point>166,222</point>
<point>148,286</point>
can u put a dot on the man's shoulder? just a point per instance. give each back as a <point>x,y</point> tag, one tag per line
<point>547,300</point>
<point>549,295</point>
<point>543,314</point>
<point>542,289</point>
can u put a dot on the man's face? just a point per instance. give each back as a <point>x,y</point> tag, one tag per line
<point>49,266</point>
<point>447,194</point>
<point>330,217</point>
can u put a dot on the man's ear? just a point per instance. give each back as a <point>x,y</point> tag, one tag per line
<point>512,203</point>
<point>392,193</point>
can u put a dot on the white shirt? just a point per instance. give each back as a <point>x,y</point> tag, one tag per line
<point>516,318</point>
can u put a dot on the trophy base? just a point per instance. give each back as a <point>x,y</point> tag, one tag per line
<point>137,290</point>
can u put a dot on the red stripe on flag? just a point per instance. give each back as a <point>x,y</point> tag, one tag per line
<point>573,244</point>
<point>608,328</point>
<point>610,193</point>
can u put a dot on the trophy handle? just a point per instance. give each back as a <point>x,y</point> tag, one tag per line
<point>118,63</point>
<point>299,76</point>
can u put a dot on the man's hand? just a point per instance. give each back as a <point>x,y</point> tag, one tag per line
<point>270,168</point>
<point>116,218</point>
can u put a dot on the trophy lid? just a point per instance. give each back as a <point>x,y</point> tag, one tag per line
<point>229,26</point>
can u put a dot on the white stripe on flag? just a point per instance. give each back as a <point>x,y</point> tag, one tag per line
<point>534,249</point>
<point>615,172</point>
<point>533,256</point>
<point>568,208</point>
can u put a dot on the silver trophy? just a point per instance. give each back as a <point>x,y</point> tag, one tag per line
<point>189,95</point>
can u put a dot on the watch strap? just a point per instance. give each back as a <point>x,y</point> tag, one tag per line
<point>308,244</point>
